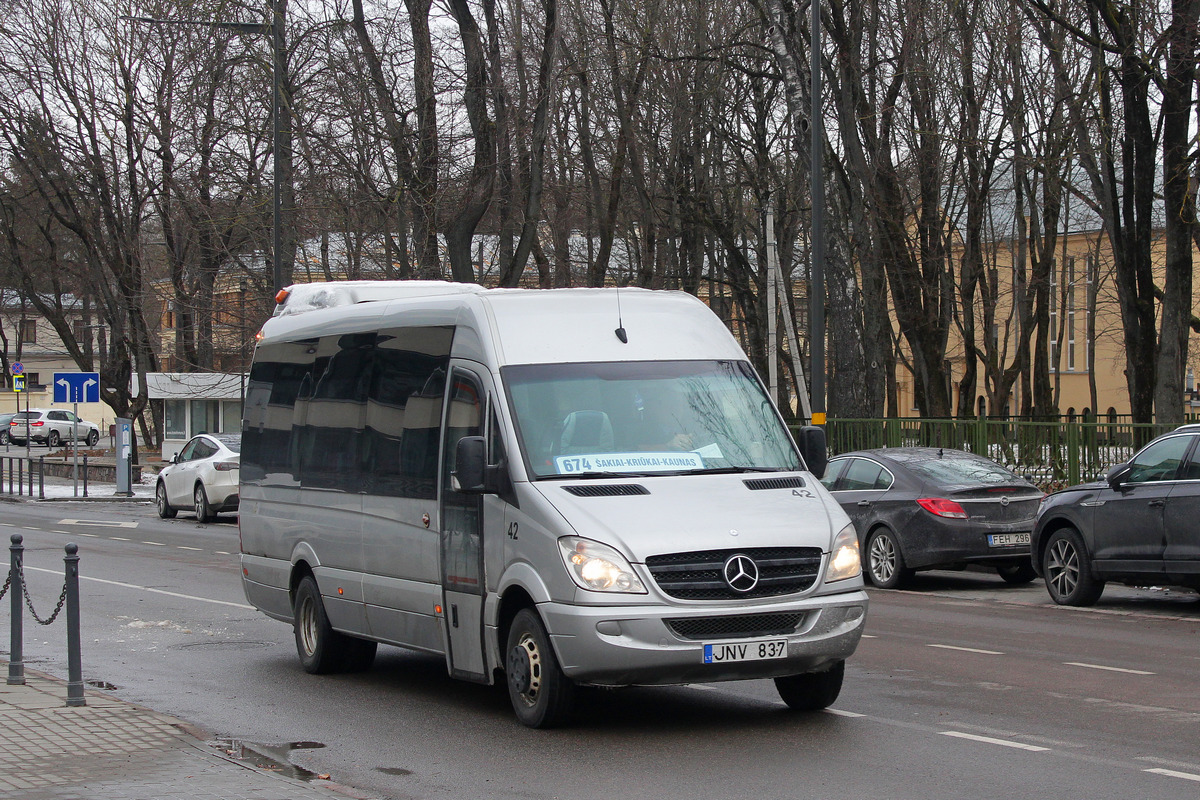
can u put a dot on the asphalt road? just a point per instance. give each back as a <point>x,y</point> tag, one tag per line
<point>964,687</point>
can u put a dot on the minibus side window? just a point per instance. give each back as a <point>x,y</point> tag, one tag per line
<point>404,411</point>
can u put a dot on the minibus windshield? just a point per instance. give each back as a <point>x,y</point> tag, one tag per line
<point>646,418</point>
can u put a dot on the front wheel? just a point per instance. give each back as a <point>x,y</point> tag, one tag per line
<point>203,510</point>
<point>164,506</point>
<point>3,437</point>
<point>1017,574</point>
<point>1068,570</point>
<point>812,691</point>
<point>885,562</point>
<point>542,696</point>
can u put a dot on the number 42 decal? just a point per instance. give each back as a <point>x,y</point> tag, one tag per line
<point>512,530</point>
<point>802,493</point>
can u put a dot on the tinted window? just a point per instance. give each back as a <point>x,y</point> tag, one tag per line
<point>330,411</point>
<point>1159,461</point>
<point>860,475</point>
<point>404,411</point>
<point>960,470</point>
<point>833,471</point>
<point>1191,470</point>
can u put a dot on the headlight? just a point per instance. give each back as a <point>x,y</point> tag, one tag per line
<point>844,560</point>
<point>598,567</point>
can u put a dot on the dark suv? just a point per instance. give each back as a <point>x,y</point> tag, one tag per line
<point>1138,526</point>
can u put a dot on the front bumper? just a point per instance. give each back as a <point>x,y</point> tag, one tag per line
<point>617,646</point>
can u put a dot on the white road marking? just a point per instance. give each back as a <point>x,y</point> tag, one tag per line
<point>869,636</point>
<point>966,649</point>
<point>222,553</point>
<point>118,538</point>
<point>148,589</point>
<point>1171,773</point>
<point>1107,669</point>
<point>839,713</point>
<point>990,740</point>
<point>156,544</point>
<point>99,523</point>
<point>88,535</point>
<point>181,547</point>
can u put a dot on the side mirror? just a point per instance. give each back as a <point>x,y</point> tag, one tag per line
<point>175,458</point>
<point>470,461</point>
<point>812,448</point>
<point>1116,476</point>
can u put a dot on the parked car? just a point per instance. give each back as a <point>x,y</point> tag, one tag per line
<point>918,508</point>
<point>202,477</point>
<point>1138,526</point>
<point>5,419</point>
<point>51,427</point>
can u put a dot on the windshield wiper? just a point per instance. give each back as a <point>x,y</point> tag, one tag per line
<point>592,474</point>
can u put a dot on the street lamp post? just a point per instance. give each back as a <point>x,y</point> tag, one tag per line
<point>817,277</point>
<point>273,30</point>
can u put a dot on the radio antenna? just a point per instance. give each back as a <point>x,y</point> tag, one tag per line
<point>620,331</point>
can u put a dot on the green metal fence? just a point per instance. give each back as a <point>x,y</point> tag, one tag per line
<point>1051,454</point>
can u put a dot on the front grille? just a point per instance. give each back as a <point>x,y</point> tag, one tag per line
<point>739,627</point>
<point>793,482</point>
<point>700,575</point>
<point>607,490</point>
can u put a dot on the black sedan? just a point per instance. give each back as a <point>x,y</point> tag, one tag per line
<point>1138,526</point>
<point>932,508</point>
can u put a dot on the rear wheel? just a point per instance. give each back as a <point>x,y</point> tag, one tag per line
<point>885,562</point>
<point>812,691</point>
<point>164,506</point>
<point>3,437</point>
<point>1017,574</point>
<point>203,510</point>
<point>320,647</point>
<point>542,696</point>
<point>52,439</point>
<point>92,438</point>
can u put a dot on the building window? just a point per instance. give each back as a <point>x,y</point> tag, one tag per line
<point>78,330</point>
<point>32,379</point>
<point>28,331</point>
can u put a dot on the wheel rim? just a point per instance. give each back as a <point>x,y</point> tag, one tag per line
<point>52,441</point>
<point>161,494</point>
<point>529,684</point>
<point>201,511</point>
<point>1062,567</point>
<point>883,558</point>
<point>308,626</point>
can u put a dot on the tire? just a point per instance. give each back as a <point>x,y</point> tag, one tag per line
<point>542,696</point>
<point>319,646</point>
<point>885,562</point>
<point>812,691</point>
<point>164,506</point>
<point>1067,568</point>
<point>204,511</point>
<point>1017,574</point>
<point>92,438</point>
<point>52,439</point>
<point>3,437</point>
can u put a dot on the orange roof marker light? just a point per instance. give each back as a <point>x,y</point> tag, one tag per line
<point>282,295</point>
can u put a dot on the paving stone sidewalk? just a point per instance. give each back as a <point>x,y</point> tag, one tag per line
<point>113,750</point>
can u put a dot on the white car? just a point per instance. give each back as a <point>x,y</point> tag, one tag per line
<point>202,477</point>
<point>51,426</point>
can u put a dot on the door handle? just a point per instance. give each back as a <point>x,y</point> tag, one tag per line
<point>1156,503</point>
<point>864,503</point>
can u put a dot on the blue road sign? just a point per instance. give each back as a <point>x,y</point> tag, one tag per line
<point>18,383</point>
<point>77,387</point>
<point>17,368</point>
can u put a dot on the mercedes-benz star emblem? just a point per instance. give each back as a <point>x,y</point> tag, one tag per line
<point>741,573</point>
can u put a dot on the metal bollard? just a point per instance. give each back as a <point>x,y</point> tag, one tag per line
<point>85,474</point>
<point>41,479</point>
<point>21,477</point>
<point>16,664</point>
<point>74,656</point>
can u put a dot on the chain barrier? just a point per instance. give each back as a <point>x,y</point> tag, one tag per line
<point>68,598</point>
<point>62,599</point>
